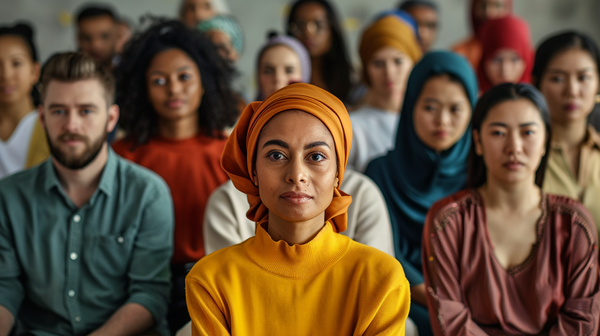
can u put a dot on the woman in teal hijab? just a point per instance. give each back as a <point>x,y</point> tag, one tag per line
<point>429,160</point>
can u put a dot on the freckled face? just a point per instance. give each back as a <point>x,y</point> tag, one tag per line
<point>296,166</point>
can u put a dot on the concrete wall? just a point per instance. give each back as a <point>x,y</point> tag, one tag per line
<point>52,20</point>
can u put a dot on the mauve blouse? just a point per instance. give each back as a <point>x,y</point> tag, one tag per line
<point>555,291</point>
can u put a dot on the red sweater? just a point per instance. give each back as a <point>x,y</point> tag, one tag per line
<point>192,169</point>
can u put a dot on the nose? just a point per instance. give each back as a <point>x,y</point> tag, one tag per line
<point>572,88</point>
<point>443,118</point>
<point>73,122</point>
<point>174,86</point>
<point>296,172</point>
<point>514,144</point>
<point>280,79</point>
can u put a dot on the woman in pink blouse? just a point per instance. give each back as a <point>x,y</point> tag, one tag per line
<point>504,258</point>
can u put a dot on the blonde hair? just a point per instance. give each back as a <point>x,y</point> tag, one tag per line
<point>76,66</point>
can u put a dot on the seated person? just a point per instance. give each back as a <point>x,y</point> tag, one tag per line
<point>22,139</point>
<point>388,51</point>
<point>86,237</point>
<point>98,34</point>
<point>425,13</point>
<point>175,104</point>
<point>503,257</point>
<point>429,160</point>
<point>507,55</point>
<point>288,154</point>
<point>192,12</point>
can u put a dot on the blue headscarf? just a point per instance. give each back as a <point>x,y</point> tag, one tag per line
<point>413,176</point>
<point>403,16</point>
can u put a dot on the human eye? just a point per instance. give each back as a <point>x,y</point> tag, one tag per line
<point>86,111</point>
<point>556,79</point>
<point>289,70</point>
<point>429,108</point>
<point>317,157</point>
<point>59,112</point>
<point>159,81</point>
<point>455,109</point>
<point>378,63</point>
<point>275,156</point>
<point>17,63</point>
<point>185,77</point>
<point>398,61</point>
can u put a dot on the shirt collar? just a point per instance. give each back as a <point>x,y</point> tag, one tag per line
<point>592,139</point>
<point>107,180</point>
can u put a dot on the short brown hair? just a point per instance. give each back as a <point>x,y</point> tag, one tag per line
<point>76,66</point>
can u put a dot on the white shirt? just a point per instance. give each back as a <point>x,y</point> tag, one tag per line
<point>14,151</point>
<point>373,135</point>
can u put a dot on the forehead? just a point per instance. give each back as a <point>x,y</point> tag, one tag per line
<point>514,112</point>
<point>89,91</point>
<point>311,11</point>
<point>422,12</point>
<point>442,88</point>
<point>388,52</point>
<point>12,44</point>
<point>295,126</point>
<point>572,59</point>
<point>171,60</point>
<point>96,23</point>
<point>218,37</point>
<point>279,54</point>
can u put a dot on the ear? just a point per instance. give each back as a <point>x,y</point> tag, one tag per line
<point>41,115</point>
<point>113,117</point>
<point>477,142</point>
<point>254,178</point>
<point>35,73</point>
<point>337,182</point>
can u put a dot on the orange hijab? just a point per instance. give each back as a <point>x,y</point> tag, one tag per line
<point>238,155</point>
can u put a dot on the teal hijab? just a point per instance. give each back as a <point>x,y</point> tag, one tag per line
<point>413,176</point>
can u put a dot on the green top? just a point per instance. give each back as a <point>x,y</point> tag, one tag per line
<point>66,270</point>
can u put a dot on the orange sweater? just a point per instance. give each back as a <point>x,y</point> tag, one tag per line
<point>331,285</point>
<point>192,169</point>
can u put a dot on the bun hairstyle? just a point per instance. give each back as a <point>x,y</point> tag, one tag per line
<point>24,31</point>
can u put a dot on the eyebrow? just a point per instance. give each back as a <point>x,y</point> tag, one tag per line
<point>578,70</point>
<point>284,144</point>
<point>520,125</point>
<point>433,100</point>
<point>156,72</point>
<point>55,105</point>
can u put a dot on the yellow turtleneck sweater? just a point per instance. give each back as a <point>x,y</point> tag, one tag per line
<point>331,285</point>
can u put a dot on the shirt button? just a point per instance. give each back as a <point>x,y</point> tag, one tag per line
<point>77,318</point>
<point>71,293</point>
<point>73,256</point>
<point>120,239</point>
<point>76,218</point>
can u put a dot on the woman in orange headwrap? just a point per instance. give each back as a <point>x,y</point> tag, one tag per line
<point>388,50</point>
<point>297,275</point>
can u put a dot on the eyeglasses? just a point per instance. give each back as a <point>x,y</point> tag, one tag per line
<point>298,28</point>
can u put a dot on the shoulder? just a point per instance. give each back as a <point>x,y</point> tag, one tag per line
<point>211,267</point>
<point>375,264</point>
<point>357,183</point>
<point>139,178</point>
<point>227,196</point>
<point>448,208</point>
<point>123,147</point>
<point>23,180</point>
<point>573,214</point>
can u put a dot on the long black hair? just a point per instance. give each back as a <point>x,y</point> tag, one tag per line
<point>219,106</point>
<point>559,43</point>
<point>25,32</point>
<point>336,67</point>
<point>495,96</point>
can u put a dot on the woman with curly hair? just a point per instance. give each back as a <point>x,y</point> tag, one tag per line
<point>173,90</point>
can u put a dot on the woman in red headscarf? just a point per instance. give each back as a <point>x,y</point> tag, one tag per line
<point>507,55</point>
<point>481,11</point>
<point>297,275</point>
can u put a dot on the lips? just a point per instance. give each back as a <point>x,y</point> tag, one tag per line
<point>440,134</point>
<point>175,103</point>
<point>570,107</point>
<point>513,165</point>
<point>6,90</point>
<point>295,197</point>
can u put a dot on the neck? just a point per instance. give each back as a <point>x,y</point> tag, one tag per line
<point>512,197</point>
<point>182,128</point>
<point>80,184</point>
<point>294,232</point>
<point>11,115</point>
<point>387,102</point>
<point>569,134</point>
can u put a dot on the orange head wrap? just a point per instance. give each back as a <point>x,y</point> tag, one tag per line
<point>388,31</point>
<point>238,156</point>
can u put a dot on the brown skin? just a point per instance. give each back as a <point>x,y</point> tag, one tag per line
<point>388,72</point>
<point>223,43</point>
<point>442,113</point>
<point>98,36</point>
<point>194,11</point>
<point>572,79</point>
<point>512,142</point>
<point>491,9</point>
<point>427,23</point>
<point>295,154</point>
<point>123,36</point>
<point>175,91</point>
<point>505,67</point>
<point>314,32</point>
<point>278,67</point>
<point>18,74</point>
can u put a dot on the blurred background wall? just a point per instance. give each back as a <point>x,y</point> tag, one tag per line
<point>53,20</point>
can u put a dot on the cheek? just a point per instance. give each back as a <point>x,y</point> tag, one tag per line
<point>156,95</point>
<point>491,70</point>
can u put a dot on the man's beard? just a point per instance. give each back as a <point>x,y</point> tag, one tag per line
<point>76,162</point>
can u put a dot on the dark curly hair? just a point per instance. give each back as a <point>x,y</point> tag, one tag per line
<point>219,106</point>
